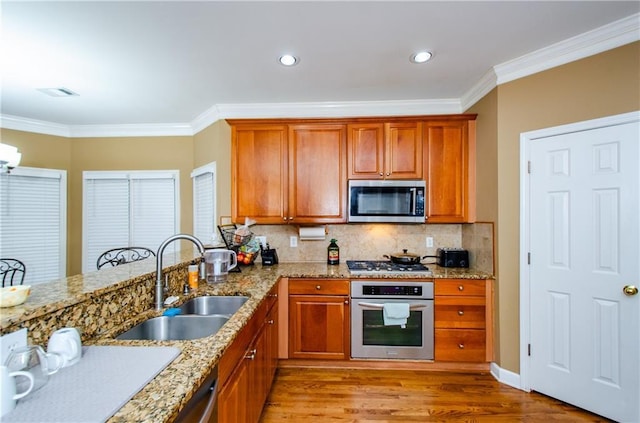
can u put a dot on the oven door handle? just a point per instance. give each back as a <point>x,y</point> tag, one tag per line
<point>380,306</point>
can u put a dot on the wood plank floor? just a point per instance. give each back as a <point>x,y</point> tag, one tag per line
<point>355,395</point>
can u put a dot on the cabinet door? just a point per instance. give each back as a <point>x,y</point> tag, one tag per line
<point>233,397</point>
<point>449,164</point>
<point>319,327</point>
<point>365,150</point>
<point>272,345</point>
<point>317,173</point>
<point>259,173</point>
<point>403,151</point>
<point>385,150</point>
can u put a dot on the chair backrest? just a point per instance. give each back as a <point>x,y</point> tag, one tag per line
<point>12,271</point>
<point>118,256</point>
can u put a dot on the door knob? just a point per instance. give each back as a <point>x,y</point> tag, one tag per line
<point>630,290</point>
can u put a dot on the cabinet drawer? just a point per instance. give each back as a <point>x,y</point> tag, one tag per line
<point>460,345</point>
<point>459,316</point>
<point>318,287</point>
<point>467,287</point>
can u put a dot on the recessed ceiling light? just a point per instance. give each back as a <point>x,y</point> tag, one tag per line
<point>421,57</point>
<point>288,60</point>
<point>58,92</point>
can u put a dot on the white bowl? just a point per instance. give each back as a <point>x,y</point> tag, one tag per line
<point>14,295</point>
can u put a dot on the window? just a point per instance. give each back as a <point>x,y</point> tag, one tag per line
<point>33,221</point>
<point>128,209</point>
<point>204,203</point>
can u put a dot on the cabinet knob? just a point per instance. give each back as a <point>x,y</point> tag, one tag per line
<point>388,173</point>
<point>381,174</point>
<point>290,218</point>
<point>270,321</point>
<point>284,218</point>
<point>273,295</point>
<point>461,346</point>
<point>460,313</point>
<point>251,355</point>
<point>318,287</point>
<point>461,288</point>
<point>346,302</point>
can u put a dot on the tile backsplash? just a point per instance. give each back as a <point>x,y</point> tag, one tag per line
<point>373,241</point>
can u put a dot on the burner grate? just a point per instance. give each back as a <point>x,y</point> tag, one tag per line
<point>384,266</point>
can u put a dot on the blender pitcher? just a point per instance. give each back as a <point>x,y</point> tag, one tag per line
<point>218,262</point>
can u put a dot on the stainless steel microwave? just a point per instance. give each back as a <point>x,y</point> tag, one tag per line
<point>387,201</point>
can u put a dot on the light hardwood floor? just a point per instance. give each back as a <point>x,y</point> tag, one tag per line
<point>356,395</point>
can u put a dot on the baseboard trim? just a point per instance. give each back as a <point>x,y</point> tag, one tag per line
<point>505,376</point>
<point>387,365</point>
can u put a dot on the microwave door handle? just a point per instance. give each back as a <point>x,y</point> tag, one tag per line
<point>380,306</point>
<point>415,200</point>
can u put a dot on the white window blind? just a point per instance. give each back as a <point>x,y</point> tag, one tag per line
<point>33,221</point>
<point>204,203</point>
<point>128,209</point>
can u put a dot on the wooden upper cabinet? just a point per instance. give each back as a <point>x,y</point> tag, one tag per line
<point>391,150</point>
<point>449,168</point>
<point>288,173</point>
<point>259,179</point>
<point>317,173</point>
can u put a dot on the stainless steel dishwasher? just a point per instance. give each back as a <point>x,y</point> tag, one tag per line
<point>202,407</point>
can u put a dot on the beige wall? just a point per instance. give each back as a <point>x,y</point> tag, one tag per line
<point>126,153</point>
<point>213,144</point>
<point>602,85</point>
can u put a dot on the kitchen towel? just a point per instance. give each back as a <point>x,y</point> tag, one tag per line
<point>395,314</point>
<point>91,391</point>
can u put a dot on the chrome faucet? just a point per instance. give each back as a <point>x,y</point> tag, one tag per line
<point>159,285</point>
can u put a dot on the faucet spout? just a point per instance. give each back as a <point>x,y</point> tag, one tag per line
<point>159,300</point>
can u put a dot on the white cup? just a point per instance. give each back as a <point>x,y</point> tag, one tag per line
<point>66,342</point>
<point>9,394</point>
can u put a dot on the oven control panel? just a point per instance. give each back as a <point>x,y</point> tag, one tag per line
<point>391,290</point>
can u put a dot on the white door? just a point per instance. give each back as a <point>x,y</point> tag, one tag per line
<point>584,240</point>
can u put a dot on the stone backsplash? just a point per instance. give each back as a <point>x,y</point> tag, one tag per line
<point>373,241</point>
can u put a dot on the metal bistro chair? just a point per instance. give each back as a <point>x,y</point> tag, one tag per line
<point>12,271</point>
<point>118,256</point>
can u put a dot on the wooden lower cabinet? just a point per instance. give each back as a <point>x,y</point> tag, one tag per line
<point>319,319</point>
<point>463,320</point>
<point>247,368</point>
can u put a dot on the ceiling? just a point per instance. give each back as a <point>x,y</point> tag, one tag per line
<point>179,66</point>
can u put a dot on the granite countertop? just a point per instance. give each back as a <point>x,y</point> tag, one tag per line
<point>164,396</point>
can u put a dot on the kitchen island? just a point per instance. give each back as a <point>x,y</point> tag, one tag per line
<point>105,303</point>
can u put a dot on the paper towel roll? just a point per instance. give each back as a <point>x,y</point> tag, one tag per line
<point>312,233</point>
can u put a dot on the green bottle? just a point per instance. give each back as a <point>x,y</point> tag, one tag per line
<point>333,252</point>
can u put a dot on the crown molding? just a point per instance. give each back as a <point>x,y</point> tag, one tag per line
<point>488,82</point>
<point>607,37</point>
<point>339,109</point>
<point>131,130</point>
<point>36,126</point>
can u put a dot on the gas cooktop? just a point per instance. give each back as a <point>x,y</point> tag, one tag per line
<point>384,267</point>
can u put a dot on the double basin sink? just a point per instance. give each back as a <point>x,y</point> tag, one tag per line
<point>199,317</point>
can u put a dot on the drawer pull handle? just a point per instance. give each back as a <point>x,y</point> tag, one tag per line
<point>460,288</point>
<point>346,302</point>
<point>461,346</point>
<point>251,355</point>
<point>270,321</point>
<point>460,313</point>
<point>318,287</point>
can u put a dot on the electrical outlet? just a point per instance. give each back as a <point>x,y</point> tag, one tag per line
<point>262,240</point>
<point>429,241</point>
<point>10,341</point>
<point>293,241</point>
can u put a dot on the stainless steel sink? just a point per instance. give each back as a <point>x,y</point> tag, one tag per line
<point>213,305</point>
<point>175,328</point>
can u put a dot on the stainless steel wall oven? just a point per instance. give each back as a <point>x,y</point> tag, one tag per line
<point>372,338</point>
